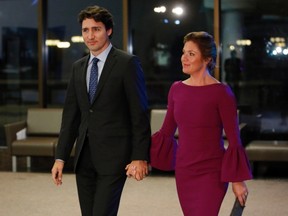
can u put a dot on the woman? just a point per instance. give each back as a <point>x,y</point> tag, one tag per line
<point>201,107</point>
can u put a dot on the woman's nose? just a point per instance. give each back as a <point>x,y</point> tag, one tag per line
<point>183,57</point>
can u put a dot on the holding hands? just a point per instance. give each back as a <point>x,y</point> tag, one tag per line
<point>138,169</point>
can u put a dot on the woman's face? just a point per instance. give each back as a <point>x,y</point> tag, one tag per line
<point>192,60</point>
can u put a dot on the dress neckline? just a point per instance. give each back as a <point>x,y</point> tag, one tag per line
<point>209,85</point>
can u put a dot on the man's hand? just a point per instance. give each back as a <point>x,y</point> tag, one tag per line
<point>56,171</point>
<point>137,169</point>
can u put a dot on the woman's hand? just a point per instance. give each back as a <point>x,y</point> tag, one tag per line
<point>137,169</point>
<point>241,191</point>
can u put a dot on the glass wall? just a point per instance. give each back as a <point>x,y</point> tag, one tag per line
<point>157,29</point>
<point>19,57</point>
<point>18,60</point>
<point>64,29</point>
<point>254,30</point>
<point>254,63</point>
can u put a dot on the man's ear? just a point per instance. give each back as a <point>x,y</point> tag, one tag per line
<point>109,32</point>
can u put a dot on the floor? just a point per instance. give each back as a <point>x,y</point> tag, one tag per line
<point>34,194</point>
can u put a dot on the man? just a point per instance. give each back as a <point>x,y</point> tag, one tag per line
<point>233,68</point>
<point>111,128</point>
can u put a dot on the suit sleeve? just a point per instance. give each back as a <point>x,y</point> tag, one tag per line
<point>135,89</point>
<point>70,122</point>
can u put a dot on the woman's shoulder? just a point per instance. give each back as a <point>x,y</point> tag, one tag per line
<point>222,89</point>
<point>177,83</point>
<point>225,87</point>
<point>225,92</point>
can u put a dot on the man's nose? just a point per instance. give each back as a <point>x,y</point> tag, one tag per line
<point>90,35</point>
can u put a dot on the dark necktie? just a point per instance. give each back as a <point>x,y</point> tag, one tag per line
<point>93,79</point>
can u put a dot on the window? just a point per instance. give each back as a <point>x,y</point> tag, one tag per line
<point>18,60</point>
<point>255,34</point>
<point>157,29</point>
<point>64,29</point>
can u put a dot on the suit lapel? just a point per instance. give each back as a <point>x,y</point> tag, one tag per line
<point>108,66</point>
<point>83,74</point>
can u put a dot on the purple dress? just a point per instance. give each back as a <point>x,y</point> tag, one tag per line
<point>203,167</point>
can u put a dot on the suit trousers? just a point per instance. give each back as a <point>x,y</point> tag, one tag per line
<point>99,195</point>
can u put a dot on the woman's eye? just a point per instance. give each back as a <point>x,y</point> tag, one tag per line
<point>188,53</point>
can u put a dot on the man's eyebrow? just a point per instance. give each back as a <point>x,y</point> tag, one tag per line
<point>93,27</point>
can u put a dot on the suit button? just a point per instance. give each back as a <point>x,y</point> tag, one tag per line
<point>90,110</point>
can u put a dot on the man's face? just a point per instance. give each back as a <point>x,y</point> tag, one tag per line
<point>95,35</point>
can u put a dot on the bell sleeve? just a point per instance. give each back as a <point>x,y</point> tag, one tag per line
<point>162,151</point>
<point>163,143</point>
<point>235,163</point>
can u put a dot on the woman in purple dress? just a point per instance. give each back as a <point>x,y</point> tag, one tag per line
<point>200,107</point>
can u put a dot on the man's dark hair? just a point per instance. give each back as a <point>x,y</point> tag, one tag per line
<point>99,14</point>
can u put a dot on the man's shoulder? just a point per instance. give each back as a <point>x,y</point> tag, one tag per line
<point>83,59</point>
<point>121,53</point>
<point>81,62</point>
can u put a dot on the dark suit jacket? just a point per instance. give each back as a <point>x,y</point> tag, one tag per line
<point>117,123</point>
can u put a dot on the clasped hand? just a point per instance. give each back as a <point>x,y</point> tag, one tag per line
<point>137,169</point>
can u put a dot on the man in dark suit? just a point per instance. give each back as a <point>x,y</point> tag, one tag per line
<point>111,126</point>
<point>233,68</point>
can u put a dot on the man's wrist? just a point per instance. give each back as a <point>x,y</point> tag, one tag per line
<point>59,160</point>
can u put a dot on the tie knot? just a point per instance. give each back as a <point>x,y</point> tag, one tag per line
<point>95,60</point>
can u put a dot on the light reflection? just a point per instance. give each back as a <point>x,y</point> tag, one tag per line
<point>63,44</point>
<point>77,39</point>
<point>58,43</point>
<point>177,22</point>
<point>52,42</point>
<point>161,9</point>
<point>277,46</point>
<point>178,11</point>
